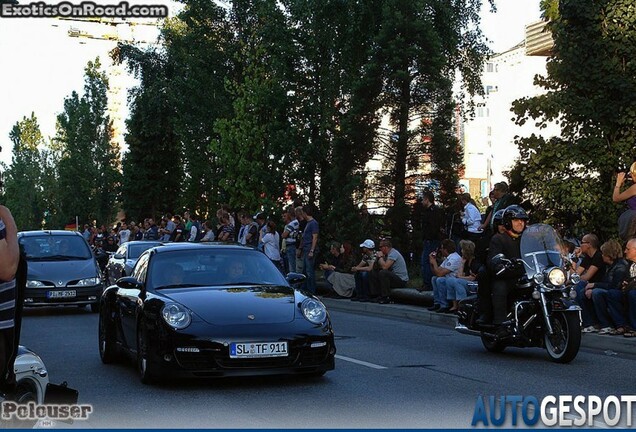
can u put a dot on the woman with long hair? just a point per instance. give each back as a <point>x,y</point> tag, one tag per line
<point>627,219</point>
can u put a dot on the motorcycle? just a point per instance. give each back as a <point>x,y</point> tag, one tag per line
<point>542,308</point>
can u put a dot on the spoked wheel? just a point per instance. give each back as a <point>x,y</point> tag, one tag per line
<point>563,345</point>
<point>147,370</point>
<point>491,344</point>
<point>107,348</point>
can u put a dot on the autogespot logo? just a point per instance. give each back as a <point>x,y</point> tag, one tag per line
<point>562,410</point>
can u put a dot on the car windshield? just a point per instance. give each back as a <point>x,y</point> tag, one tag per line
<point>212,267</point>
<point>135,250</point>
<point>51,247</point>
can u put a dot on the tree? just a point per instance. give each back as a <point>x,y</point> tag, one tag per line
<point>422,46</point>
<point>23,179</point>
<point>198,44</point>
<point>88,176</point>
<point>254,141</point>
<point>593,99</point>
<point>152,167</point>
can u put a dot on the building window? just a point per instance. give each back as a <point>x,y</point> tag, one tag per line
<point>490,67</point>
<point>489,130</point>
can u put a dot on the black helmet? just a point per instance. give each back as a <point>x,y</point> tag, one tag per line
<point>497,219</point>
<point>513,212</point>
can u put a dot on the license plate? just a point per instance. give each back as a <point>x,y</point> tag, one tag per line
<point>61,294</point>
<point>258,349</point>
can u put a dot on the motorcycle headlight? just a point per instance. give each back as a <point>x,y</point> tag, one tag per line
<point>176,316</point>
<point>88,281</point>
<point>314,311</point>
<point>34,284</point>
<point>556,276</point>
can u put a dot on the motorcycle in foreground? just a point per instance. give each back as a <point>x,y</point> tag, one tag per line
<point>542,309</point>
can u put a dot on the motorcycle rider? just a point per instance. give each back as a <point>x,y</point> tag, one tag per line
<point>484,293</point>
<point>508,243</point>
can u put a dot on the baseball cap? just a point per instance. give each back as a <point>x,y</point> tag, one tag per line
<point>368,244</point>
<point>260,216</point>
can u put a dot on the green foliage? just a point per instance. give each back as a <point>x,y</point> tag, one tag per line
<point>593,99</point>
<point>88,166</point>
<point>24,193</point>
<point>152,167</point>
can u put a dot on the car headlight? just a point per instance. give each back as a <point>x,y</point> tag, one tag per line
<point>314,311</point>
<point>556,276</point>
<point>34,284</point>
<point>88,281</point>
<point>176,316</point>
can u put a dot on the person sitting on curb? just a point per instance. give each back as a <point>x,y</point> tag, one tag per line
<point>458,287</point>
<point>392,272</point>
<point>591,269</point>
<point>338,274</point>
<point>448,269</point>
<point>363,270</point>
<point>599,292</point>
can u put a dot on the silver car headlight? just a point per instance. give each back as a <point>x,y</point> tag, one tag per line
<point>314,311</point>
<point>34,284</point>
<point>88,281</point>
<point>556,276</point>
<point>176,316</point>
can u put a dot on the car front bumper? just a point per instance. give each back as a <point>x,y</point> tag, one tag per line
<point>184,355</point>
<point>83,296</point>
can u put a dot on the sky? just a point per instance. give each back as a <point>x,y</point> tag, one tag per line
<point>40,64</point>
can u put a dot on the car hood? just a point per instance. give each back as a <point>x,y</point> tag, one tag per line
<point>64,271</point>
<point>238,305</point>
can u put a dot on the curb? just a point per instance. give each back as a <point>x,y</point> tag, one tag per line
<point>610,345</point>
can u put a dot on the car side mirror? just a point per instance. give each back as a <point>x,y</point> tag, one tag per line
<point>295,278</point>
<point>118,256</point>
<point>128,282</point>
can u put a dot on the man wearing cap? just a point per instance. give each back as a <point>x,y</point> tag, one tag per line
<point>362,271</point>
<point>290,233</point>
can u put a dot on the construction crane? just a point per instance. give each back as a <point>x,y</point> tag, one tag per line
<point>110,30</point>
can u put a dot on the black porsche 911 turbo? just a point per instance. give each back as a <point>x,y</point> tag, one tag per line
<point>213,310</point>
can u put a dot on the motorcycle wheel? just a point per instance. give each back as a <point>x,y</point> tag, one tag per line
<point>563,345</point>
<point>491,344</point>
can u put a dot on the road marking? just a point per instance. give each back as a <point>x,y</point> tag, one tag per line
<point>360,362</point>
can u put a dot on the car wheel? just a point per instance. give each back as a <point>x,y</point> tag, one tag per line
<point>107,348</point>
<point>146,369</point>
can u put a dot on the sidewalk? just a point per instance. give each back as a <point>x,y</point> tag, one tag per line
<point>415,310</point>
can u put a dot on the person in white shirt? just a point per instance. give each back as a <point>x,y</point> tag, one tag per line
<point>471,218</point>
<point>124,233</point>
<point>271,244</point>
<point>447,269</point>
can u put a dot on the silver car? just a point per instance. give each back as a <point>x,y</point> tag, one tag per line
<point>62,269</point>
<point>121,263</point>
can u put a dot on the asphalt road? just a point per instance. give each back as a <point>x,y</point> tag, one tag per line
<point>390,373</point>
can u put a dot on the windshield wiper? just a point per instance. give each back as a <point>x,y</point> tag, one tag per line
<point>51,258</point>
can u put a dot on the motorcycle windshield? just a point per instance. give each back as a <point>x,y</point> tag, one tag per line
<point>540,249</point>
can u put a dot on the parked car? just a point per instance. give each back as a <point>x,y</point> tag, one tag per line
<point>121,263</point>
<point>62,269</point>
<point>31,377</point>
<point>212,310</point>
